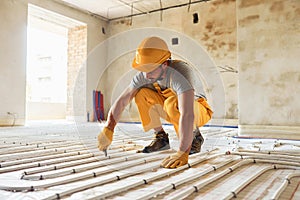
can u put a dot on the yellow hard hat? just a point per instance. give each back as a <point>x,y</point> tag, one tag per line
<point>152,52</point>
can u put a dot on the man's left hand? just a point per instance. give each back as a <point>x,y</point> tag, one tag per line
<point>175,160</point>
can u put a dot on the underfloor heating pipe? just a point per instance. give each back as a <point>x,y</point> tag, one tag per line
<point>41,158</point>
<point>196,187</point>
<point>281,152</point>
<point>283,186</point>
<point>88,174</point>
<point>234,192</point>
<point>68,164</point>
<point>32,154</point>
<point>177,183</point>
<point>164,173</point>
<point>293,158</point>
<point>87,165</point>
<point>46,164</point>
<point>97,181</point>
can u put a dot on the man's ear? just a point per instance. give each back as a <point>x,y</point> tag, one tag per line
<point>165,64</point>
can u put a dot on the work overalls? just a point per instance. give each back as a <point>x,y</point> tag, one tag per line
<point>153,105</point>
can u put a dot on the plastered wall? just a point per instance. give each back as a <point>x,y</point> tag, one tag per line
<point>13,18</point>
<point>12,61</point>
<point>255,46</point>
<point>268,60</point>
<point>215,33</point>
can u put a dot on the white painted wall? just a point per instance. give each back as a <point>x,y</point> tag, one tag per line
<point>13,19</point>
<point>12,61</point>
<point>53,110</point>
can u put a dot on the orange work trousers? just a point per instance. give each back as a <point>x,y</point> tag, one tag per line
<point>153,105</point>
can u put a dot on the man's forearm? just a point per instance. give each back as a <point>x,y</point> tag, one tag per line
<point>186,132</point>
<point>114,115</point>
<point>118,107</point>
<point>111,122</point>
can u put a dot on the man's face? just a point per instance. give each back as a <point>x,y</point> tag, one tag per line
<point>156,74</point>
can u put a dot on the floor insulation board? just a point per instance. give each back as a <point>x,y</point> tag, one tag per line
<point>60,160</point>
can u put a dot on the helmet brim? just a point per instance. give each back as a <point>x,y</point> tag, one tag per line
<point>145,66</point>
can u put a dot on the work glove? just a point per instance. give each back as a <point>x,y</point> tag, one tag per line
<point>105,138</point>
<point>175,160</point>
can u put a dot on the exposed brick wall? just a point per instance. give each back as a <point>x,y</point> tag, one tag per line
<point>76,82</point>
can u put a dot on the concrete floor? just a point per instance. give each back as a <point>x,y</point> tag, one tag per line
<point>59,159</point>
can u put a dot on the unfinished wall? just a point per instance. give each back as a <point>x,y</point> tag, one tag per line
<point>94,38</point>
<point>215,33</point>
<point>269,71</point>
<point>77,54</point>
<point>13,53</point>
<point>117,83</point>
<point>12,62</point>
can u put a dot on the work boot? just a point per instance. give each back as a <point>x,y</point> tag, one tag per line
<point>197,142</point>
<point>159,143</point>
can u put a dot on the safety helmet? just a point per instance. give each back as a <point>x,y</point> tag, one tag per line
<point>151,53</point>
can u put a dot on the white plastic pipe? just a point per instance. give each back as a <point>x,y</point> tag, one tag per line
<point>292,158</point>
<point>35,147</point>
<point>177,183</point>
<point>32,154</point>
<point>235,191</point>
<point>282,152</point>
<point>31,160</point>
<point>196,187</point>
<point>270,161</point>
<point>40,158</point>
<point>97,181</point>
<point>164,173</point>
<point>84,175</point>
<point>42,145</point>
<point>94,164</point>
<point>44,163</point>
<point>285,183</point>
<point>185,193</point>
<point>63,165</point>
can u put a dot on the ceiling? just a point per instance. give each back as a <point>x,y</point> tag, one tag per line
<point>115,9</point>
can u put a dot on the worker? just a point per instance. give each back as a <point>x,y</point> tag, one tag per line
<point>167,89</point>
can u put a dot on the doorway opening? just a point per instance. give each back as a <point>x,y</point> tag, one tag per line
<point>56,53</point>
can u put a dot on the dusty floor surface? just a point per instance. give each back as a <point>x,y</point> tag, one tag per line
<point>60,160</point>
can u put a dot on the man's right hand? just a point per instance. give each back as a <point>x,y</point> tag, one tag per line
<point>105,138</point>
<point>175,160</point>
